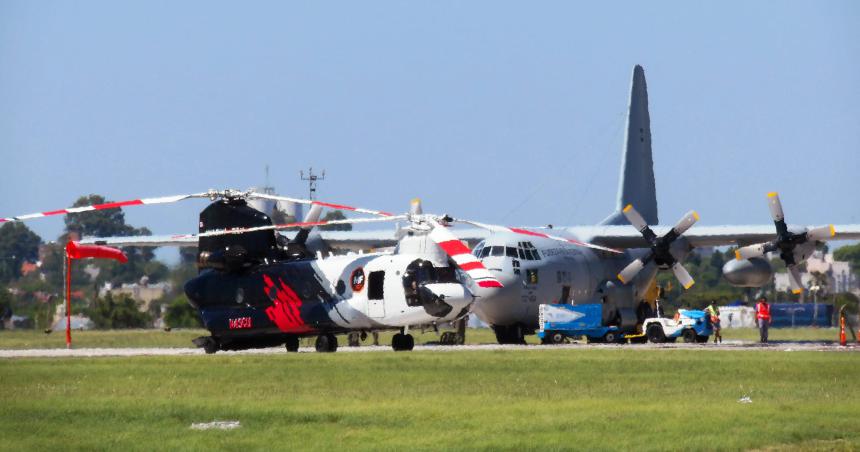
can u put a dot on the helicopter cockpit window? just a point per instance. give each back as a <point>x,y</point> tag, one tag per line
<point>420,272</point>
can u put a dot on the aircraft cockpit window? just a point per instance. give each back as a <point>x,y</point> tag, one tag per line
<point>498,251</point>
<point>510,251</point>
<point>486,251</point>
<point>478,249</point>
<point>527,251</point>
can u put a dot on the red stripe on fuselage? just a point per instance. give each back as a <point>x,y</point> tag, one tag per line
<point>454,247</point>
<point>471,266</point>
<point>489,283</point>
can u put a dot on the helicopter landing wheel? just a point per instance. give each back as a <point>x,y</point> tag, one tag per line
<point>210,345</point>
<point>326,343</point>
<point>402,342</point>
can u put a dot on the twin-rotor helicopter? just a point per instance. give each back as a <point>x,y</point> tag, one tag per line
<point>257,288</point>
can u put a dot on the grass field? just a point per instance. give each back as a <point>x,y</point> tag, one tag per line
<point>586,399</point>
<point>22,339</point>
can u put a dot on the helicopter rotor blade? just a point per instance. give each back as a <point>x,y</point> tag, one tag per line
<point>106,205</point>
<point>415,207</point>
<point>274,227</point>
<point>313,216</point>
<point>496,228</point>
<point>462,256</point>
<point>319,203</point>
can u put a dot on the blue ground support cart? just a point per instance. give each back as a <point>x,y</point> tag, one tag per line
<point>560,321</point>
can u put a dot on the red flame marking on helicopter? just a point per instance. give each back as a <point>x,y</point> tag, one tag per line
<point>284,311</point>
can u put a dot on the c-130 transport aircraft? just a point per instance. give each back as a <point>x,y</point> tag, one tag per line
<point>540,269</point>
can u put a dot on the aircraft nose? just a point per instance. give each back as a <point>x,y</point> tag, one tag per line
<point>445,300</point>
<point>495,304</point>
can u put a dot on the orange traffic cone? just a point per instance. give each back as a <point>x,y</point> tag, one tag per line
<point>843,341</point>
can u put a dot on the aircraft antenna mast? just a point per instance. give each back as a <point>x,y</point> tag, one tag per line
<point>312,181</point>
<point>268,189</point>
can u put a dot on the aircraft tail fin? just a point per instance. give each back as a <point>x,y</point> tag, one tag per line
<point>636,185</point>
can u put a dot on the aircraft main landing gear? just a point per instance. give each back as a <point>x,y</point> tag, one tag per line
<point>209,344</point>
<point>402,342</point>
<point>512,334</point>
<point>292,344</point>
<point>326,343</point>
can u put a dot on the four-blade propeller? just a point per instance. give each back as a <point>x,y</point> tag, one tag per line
<point>793,246</point>
<point>660,247</point>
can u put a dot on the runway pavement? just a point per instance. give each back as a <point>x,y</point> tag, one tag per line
<point>726,346</point>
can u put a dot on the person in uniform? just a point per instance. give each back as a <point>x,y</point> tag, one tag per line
<point>763,319</point>
<point>714,313</point>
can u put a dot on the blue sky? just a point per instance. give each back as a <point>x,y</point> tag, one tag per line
<point>498,111</point>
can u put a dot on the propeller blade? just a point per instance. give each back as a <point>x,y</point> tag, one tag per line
<point>496,228</point>
<point>821,233</point>
<point>107,205</point>
<point>683,275</point>
<point>462,256</point>
<point>686,222</point>
<point>751,251</point>
<point>794,279</point>
<point>775,206</point>
<point>313,216</point>
<point>630,271</point>
<point>318,203</point>
<point>415,207</point>
<point>634,218</point>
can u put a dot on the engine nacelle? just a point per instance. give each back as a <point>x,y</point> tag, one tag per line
<point>754,272</point>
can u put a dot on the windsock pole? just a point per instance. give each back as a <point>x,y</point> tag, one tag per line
<point>68,301</point>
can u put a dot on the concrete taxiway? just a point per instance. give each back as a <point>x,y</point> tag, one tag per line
<point>726,346</point>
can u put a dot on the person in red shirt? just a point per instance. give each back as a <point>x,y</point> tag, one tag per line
<point>763,319</point>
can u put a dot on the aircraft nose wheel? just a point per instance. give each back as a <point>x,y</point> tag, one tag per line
<point>326,343</point>
<point>402,342</point>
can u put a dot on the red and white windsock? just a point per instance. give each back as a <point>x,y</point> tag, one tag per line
<point>462,256</point>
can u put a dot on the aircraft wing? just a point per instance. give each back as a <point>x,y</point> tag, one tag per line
<point>698,236</point>
<point>143,241</point>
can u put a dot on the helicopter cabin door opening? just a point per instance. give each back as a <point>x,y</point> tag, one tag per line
<point>375,294</point>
